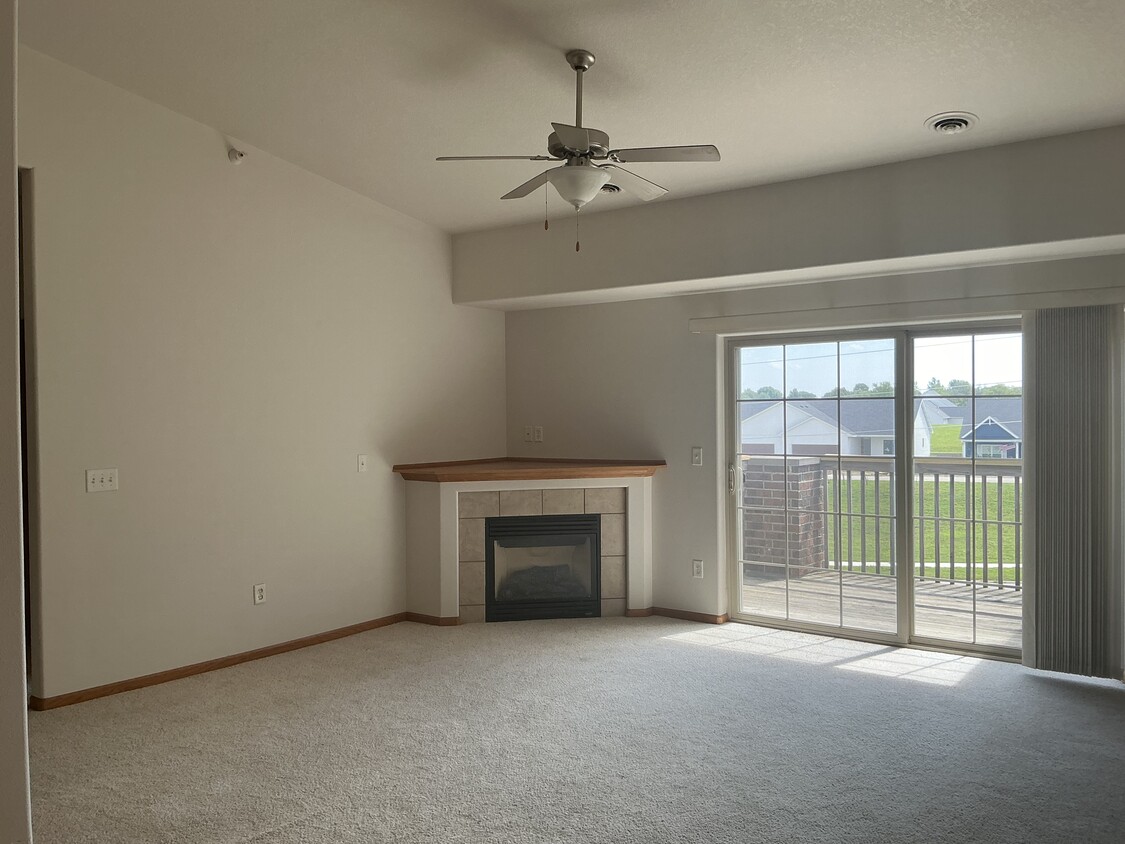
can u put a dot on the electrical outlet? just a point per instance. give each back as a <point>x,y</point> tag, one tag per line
<point>528,434</point>
<point>361,463</point>
<point>259,593</point>
<point>697,455</point>
<point>539,433</point>
<point>697,569</point>
<point>101,480</point>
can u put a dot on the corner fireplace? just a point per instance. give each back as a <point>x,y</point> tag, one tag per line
<point>542,567</point>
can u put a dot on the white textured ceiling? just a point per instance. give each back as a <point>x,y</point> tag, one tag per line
<point>368,92</point>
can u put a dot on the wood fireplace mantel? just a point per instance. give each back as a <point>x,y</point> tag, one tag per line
<point>526,469</point>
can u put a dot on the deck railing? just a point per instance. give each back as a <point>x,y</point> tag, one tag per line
<point>966,526</point>
<point>964,511</point>
<point>966,519</point>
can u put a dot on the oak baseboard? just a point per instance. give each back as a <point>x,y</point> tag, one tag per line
<point>41,704</point>
<point>83,695</point>
<point>705,618</point>
<point>436,620</point>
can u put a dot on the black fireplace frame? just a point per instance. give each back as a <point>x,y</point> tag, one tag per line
<point>587,524</point>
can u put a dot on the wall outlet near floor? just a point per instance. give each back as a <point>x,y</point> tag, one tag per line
<point>361,463</point>
<point>528,434</point>
<point>539,433</point>
<point>697,569</point>
<point>259,593</point>
<point>697,455</point>
<point>101,480</point>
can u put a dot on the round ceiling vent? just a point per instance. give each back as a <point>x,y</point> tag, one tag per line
<point>610,187</point>
<point>952,122</point>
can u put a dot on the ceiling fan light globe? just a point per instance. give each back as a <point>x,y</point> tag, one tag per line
<point>578,185</point>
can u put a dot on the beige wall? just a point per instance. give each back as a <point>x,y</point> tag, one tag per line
<point>1053,197</point>
<point>229,337</point>
<point>15,812</point>
<point>629,380</point>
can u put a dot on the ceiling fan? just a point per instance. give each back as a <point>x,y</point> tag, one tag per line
<point>579,148</point>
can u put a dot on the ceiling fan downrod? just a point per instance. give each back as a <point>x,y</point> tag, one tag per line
<point>581,61</point>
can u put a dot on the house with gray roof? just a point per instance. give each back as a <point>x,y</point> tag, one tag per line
<point>852,426</point>
<point>865,426</point>
<point>991,427</point>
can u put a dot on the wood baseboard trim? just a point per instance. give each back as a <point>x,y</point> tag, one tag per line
<point>41,704</point>
<point>436,620</point>
<point>704,618</point>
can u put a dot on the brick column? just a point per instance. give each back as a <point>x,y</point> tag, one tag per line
<point>765,531</point>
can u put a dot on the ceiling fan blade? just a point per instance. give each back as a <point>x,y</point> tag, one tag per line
<point>530,185</point>
<point>633,183</point>
<point>573,137</point>
<point>495,158</point>
<point>701,152</point>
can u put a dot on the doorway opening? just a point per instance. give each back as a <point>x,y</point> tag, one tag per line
<point>28,417</point>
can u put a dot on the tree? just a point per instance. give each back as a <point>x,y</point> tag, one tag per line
<point>801,394</point>
<point>936,385</point>
<point>761,393</point>
<point>999,390</point>
<point>880,388</point>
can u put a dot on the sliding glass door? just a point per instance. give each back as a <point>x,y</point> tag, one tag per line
<point>814,482</point>
<point>876,487</point>
<point>968,488</point>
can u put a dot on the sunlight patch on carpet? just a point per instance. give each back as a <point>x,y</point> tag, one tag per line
<point>846,654</point>
<point>939,669</point>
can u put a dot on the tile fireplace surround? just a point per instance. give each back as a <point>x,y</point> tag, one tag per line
<point>446,508</point>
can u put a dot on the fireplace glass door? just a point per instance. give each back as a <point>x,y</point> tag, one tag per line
<point>542,567</point>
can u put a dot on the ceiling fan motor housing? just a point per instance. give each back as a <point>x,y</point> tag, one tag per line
<point>599,145</point>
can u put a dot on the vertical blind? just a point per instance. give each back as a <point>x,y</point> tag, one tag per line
<point>1073,609</point>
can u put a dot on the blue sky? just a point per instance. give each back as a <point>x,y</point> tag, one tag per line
<point>990,359</point>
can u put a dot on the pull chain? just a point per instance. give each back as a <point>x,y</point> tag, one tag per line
<point>577,242</point>
<point>546,224</point>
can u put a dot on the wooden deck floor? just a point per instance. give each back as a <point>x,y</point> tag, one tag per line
<point>867,602</point>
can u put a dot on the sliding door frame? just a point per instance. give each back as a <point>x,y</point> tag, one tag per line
<point>903,337</point>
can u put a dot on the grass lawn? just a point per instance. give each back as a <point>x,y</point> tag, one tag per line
<point>946,440</point>
<point>941,535</point>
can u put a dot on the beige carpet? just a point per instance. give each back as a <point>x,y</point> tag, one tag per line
<point>614,730</point>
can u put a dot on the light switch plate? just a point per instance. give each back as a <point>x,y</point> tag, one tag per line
<point>361,463</point>
<point>697,455</point>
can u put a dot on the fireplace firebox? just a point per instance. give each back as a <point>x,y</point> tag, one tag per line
<point>542,567</point>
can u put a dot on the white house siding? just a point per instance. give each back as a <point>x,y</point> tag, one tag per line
<point>766,430</point>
